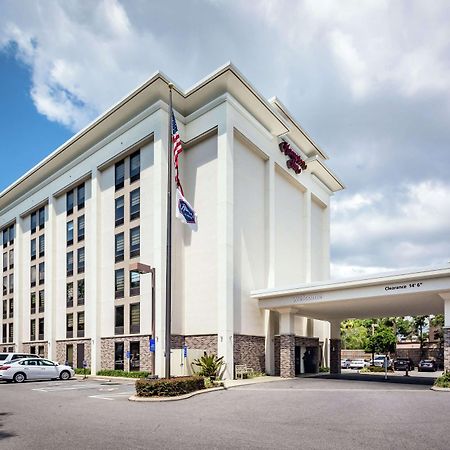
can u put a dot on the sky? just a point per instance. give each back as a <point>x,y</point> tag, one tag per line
<point>368,80</point>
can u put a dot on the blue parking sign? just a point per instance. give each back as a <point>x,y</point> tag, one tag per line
<point>152,345</point>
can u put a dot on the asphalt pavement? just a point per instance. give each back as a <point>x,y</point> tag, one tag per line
<point>308,413</point>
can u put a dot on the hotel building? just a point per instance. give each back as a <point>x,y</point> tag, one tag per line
<point>73,226</point>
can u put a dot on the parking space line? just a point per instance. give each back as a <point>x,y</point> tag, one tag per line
<point>111,396</point>
<point>58,389</point>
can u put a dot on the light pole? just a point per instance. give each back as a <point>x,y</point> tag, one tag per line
<point>143,269</point>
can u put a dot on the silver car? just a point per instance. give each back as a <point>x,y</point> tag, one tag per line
<point>34,369</point>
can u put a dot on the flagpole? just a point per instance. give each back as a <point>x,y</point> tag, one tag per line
<point>169,240</point>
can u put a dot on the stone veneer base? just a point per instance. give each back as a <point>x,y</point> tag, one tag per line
<point>61,350</point>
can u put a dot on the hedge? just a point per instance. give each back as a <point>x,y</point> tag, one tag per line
<point>171,387</point>
<point>443,381</point>
<point>79,371</point>
<point>122,373</point>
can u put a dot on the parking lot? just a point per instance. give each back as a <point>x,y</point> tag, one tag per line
<point>316,413</point>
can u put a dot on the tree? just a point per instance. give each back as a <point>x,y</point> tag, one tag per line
<point>353,334</point>
<point>382,341</point>
<point>419,322</point>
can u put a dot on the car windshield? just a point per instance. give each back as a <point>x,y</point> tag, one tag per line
<point>3,356</point>
<point>427,361</point>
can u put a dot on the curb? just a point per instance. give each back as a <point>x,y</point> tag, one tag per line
<point>439,389</point>
<point>135,398</point>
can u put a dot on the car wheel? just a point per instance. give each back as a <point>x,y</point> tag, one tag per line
<point>19,377</point>
<point>64,375</point>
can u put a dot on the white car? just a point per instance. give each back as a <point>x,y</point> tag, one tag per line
<point>358,364</point>
<point>345,364</point>
<point>378,361</point>
<point>34,369</point>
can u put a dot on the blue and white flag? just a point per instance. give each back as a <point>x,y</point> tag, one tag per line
<point>185,212</point>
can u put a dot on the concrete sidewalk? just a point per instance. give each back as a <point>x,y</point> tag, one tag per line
<point>264,379</point>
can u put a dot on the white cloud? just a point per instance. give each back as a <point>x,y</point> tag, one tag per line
<point>406,228</point>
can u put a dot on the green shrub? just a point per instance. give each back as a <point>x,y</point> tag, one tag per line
<point>376,369</point>
<point>256,374</point>
<point>171,387</point>
<point>210,366</point>
<point>443,381</point>
<point>122,373</point>
<point>324,369</point>
<point>86,371</point>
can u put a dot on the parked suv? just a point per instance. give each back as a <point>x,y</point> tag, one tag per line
<point>403,364</point>
<point>10,357</point>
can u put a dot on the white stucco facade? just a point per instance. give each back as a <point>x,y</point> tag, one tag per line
<point>261,225</point>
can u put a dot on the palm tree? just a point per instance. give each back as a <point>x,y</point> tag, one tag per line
<point>419,322</point>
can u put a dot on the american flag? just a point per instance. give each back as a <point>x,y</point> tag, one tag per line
<point>177,149</point>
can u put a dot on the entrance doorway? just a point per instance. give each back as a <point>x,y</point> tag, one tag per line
<point>80,355</point>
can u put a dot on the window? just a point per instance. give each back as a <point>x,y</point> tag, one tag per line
<point>135,242</point>
<point>33,276</point>
<point>118,355</point>
<point>41,246</point>
<point>80,324</point>
<point>119,214</point>
<point>33,303</point>
<point>119,171</point>
<point>11,308</point>
<point>134,356</point>
<point>69,203</point>
<point>11,259</point>
<point>80,228</point>
<point>11,333</point>
<point>69,295</point>
<point>41,329</point>
<point>119,283</point>
<point>135,283</point>
<point>33,222</point>
<point>11,283</point>
<point>69,264</point>
<point>119,247</point>
<point>135,166</point>
<point>12,232</point>
<point>41,301</point>
<point>119,320</point>
<point>5,285</point>
<point>41,273</point>
<point>80,292</point>
<point>135,318</point>
<point>69,234</point>
<point>5,309</point>
<point>5,262</point>
<point>135,204</point>
<point>69,355</point>
<point>33,249</point>
<point>32,329</point>
<point>41,214</point>
<point>80,260</point>
<point>69,325</point>
<point>80,196</point>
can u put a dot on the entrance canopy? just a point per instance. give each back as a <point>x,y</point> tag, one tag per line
<point>419,292</point>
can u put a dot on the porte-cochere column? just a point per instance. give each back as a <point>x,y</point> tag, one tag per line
<point>446,298</point>
<point>287,344</point>
<point>335,346</point>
